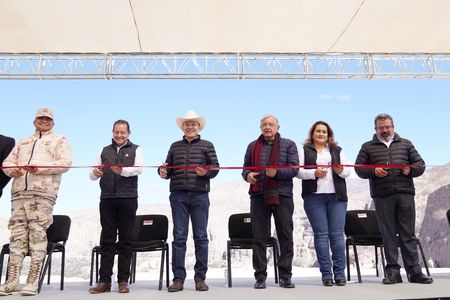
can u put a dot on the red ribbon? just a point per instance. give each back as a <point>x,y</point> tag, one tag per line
<point>191,167</point>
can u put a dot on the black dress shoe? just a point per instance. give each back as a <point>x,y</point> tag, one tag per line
<point>392,278</point>
<point>260,284</point>
<point>286,283</point>
<point>420,278</point>
<point>340,281</point>
<point>327,282</point>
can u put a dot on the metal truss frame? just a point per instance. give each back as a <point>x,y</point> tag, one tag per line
<point>224,66</point>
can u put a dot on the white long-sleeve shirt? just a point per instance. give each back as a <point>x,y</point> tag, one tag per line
<point>126,171</point>
<point>324,185</point>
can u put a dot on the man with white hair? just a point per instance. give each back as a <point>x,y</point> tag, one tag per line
<point>188,166</point>
<point>36,163</point>
<point>271,194</point>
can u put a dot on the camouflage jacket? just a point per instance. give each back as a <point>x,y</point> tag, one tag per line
<point>45,150</point>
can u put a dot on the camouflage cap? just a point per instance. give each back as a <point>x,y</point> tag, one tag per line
<point>44,112</point>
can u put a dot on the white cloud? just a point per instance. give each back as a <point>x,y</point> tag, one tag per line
<point>326,97</point>
<point>332,97</point>
<point>344,98</point>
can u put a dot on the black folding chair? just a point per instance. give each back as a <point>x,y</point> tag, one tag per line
<point>57,235</point>
<point>240,233</point>
<point>95,257</point>
<point>362,229</point>
<point>150,234</point>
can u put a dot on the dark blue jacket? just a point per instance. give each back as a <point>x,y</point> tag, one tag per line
<point>288,157</point>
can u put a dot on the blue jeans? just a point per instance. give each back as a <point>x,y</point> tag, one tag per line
<point>327,217</point>
<point>195,205</point>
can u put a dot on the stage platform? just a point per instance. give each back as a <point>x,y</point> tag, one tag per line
<point>307,288</point>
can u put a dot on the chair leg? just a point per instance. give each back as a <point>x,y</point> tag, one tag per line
<point>376,260</point>
<point>348,260</point>
<point>383,261</point>
<point>161,268</point>
<point>275,261</point>
<point>230,281</point>
<point>2,257</point>
<point>91,275</point>
<point>423,257</point>
<point>357,263</point>
<point>167,263</point>
<point>49,271</point>
<point>96,266</point>
<point>132,268</point>
<point>63,266</point>
<point>44,269</point>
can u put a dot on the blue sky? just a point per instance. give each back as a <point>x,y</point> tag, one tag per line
<point>86,110</point>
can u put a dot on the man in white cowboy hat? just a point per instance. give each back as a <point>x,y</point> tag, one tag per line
<point>188,168</point>
<point>33,195</point>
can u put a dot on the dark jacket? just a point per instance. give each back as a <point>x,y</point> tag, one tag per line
<point>195,153</point>
<point>113,185</point>
<point>401,151</point>
<point>6,145</point>
<point>310,186</point>
<point>288,157</point>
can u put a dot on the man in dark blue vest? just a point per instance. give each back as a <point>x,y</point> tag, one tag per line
<point>122,161</point>
<point>6,145</point>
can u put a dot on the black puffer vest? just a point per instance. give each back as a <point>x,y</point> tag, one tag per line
<point>113,185</point>
<point>310,186</point>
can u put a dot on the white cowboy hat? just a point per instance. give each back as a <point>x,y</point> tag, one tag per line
<point>191,115</point>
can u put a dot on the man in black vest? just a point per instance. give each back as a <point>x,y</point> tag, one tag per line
<point>6,145</point>
<point>118,204</point>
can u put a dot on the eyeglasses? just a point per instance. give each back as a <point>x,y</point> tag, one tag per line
<point>384,127</point>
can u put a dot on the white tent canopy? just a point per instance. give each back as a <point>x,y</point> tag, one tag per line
<point>224,26</point>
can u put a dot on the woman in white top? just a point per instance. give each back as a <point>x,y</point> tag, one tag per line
<point>324,193</point>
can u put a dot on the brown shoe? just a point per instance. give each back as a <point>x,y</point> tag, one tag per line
<point>176,286</point>
<point>201,286</point>
<point>101,287</point>
<point>123,287</point>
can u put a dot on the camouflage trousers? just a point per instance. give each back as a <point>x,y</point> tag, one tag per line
<point>28,224</point>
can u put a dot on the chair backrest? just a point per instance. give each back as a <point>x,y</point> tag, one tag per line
<point>150,228</point>
<point>240,226</point>
<point>361,222</point>
<point>59,230</point>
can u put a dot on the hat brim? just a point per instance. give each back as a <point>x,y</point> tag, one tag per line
<point>201,121</point>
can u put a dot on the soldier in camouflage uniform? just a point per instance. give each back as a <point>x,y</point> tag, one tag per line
<point>33,195</point>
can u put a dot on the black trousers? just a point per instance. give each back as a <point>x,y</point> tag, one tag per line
<point>261,223</point>
<point>397,214</point>
<point>117,216</point>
